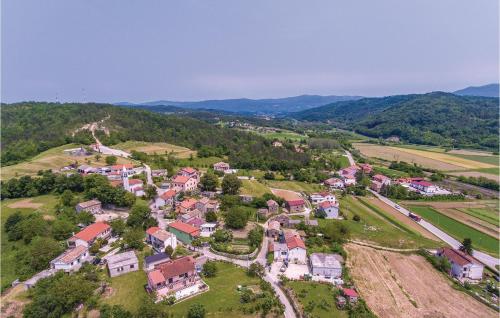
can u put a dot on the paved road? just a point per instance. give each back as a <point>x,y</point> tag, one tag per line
<point>482,257</point>
<point>350,158</point>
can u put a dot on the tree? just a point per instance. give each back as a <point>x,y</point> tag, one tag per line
<point>134,238</point>
<point>209,269</point>
<point>85,217</point>
<point>63,229</point>
<point>269,175</point>
<point>231,184</point>
<point>467,246</point>
<point>97,157</point>
<point>255,236</point>
<point>196,311</point>
<point>150,192</point>
<point>67,198</point>
<point>211,216</point>
<point>12,220</point>
<point>111,160</point>
<point>115,311</point>
<point>320,213</point>
<point>149,309</point>
<point>169,251</point>
<point>38,255</point>
<point>209,182</point>
<point>118,227</point>
<point>222,236</point>
<point>139,213</point>
<point>236,218</point>
<point>256,269</point>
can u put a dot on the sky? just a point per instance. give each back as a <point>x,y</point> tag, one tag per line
<point>135,51</point>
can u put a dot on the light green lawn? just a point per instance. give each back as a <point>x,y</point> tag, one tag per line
<point>295,186</point>
<point>380,229</point>
<point>458,230</point>
<point>318,297</point>
<point>128,290</point>
<point>487,215</point>
<point>9,249</point>
<point>254,188</point>
<point>155,147</point>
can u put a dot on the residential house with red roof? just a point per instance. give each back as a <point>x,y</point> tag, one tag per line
<point>330,209</point>
<point>365,167</point>
<point>129,168</point>
<point>334,183</point>
<point>160,239</point>
<point>190,173</point>
<point>325,196</point>
<point>88,235</point>
<point>424,186</point>
<point>184,232</point>
<point>184,183</point>
<point>187,205</point>
<point>176,278</point>
<point>464,267</point>
<point>296,249</point>
<point>166,199</point>
<point>221,166</point>
<point>295,206</point>
<point>378,181</point>
<point>350,294</point>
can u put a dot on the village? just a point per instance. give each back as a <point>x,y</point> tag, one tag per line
<point>191,231</point>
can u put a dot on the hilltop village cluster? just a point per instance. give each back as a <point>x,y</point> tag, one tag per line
<point>181,209</point>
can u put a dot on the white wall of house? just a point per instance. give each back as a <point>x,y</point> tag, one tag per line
<point>332,212</point>
<point>297,255</point>
<point>327,271</point>
<point>113,272</point>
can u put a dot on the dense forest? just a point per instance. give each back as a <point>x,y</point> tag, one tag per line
<point>435,119</point>
<point>30,128</point>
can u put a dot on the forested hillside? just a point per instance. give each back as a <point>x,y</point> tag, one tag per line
<point>435,118</point>
<point>30,128</point>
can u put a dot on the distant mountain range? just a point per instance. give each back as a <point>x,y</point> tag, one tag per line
<point>436,118</point>
<point>490,90</point>
<point>254,106</point>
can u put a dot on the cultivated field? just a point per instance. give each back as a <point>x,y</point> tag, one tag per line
<point>476,174</point>
<point>429,159</point>
<point>155,147</point>
<point>297,186</point>
<point>398,285</point>
<point>457,229</point>
<point>402,218</point>
<point>53,158</point>
<point>286,194</point>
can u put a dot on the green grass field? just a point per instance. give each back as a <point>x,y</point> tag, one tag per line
<point>487,215</point>
<point>9,249</point>
<point>254,188</point>
<point>295,186</point>
<point>458,230</point>
<point>380,229</point>
<point>284,135</point>
<point>495,171</point>
<point>223,299</point>
<point>128,290</point>
<point>318,297</point>
<point>199,163</point>
<point>484,159</point>
<point>389,172</point>
<point>155,147</point>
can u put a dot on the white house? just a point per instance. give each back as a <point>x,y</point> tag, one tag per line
<point>92,206</point>
<point>184,183</point>
<point>331,209</point>
<point>463,267</point>
<point>293,250</point>
<point>166,199</point>
<point>221,166</point>
<point>327,265</point>
<point>72,259</point>
<point>317,198</point>
<point>160,239</point>
<point>207,229</point>
<point>424,186</point>
<point>122,263</point>
<point>88,235</point>
<point>334,183</point>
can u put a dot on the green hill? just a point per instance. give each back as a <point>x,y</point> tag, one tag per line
<point>435,119</point>
<point>30,128</point>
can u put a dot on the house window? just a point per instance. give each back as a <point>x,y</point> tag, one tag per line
<point>132,266</point>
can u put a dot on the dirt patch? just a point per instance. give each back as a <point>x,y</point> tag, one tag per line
<point>243,233</point>
<point>25,204</point>
<point>286,194</point>
<point>398,285</point>
<point>402,218</point>
<point>12,306</point>
<point>48,217</point>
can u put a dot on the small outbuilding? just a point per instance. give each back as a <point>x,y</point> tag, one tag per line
<point>122,263</point>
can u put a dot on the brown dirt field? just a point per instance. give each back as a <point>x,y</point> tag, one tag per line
<point>451,204</point>
<point>398,285</point>
<point>286,194</point>
<point>476,174</point>
<point>423,158</point>
<point>25,204</point>
<point>243,233</point>
<point>402,218</point>
<point>470,152</point>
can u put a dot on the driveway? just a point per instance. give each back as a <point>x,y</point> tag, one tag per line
<point>294,271</point>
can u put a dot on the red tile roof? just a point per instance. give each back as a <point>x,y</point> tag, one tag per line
<point>422,183</point>
<point>177,267</point>
<point>120,167</point>
<point>326,205</point>
<point>349,292</point>
<point>189,170</point>
<point>183,227</point>
<point>380,177</point>
<point>271,203</point>
<point>135,181</point>
<point>188,203</point>
<point>294,241</point>
<point>295,202</point>
<point>152,230</point>
<point>156,277</point>
<point>332,181</point>
<point>457,256</point>
<point>181,179</point>
<point>92,231</point>
<point>169,194</point>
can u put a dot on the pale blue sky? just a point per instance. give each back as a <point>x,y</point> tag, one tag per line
<point>191,50</point>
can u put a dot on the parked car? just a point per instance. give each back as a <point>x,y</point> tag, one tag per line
<point>283,268</point>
